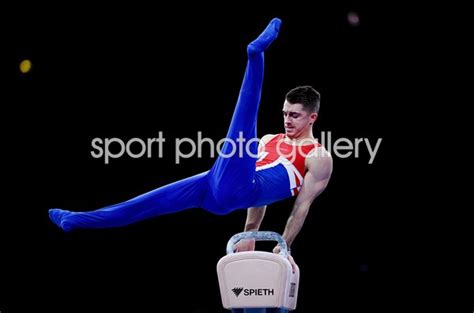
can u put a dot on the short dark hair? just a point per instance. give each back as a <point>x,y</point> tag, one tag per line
<point>307,96</point>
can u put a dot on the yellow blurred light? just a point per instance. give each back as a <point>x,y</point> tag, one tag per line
<point>25,66</point>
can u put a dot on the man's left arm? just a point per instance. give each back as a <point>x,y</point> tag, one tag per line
<point>315,181</point>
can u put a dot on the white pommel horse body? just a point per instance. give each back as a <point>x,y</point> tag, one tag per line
<point>257,281</point>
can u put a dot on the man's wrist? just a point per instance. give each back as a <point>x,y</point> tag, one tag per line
<point>250,228</point>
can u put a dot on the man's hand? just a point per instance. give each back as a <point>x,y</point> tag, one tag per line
<point>245,245</point>
<point>277,250</point>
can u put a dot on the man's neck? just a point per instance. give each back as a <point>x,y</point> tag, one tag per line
<point>303,137</point>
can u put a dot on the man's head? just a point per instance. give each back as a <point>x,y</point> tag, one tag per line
<point>300,111</point>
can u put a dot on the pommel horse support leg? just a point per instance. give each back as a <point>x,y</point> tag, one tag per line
<point>257,281</point>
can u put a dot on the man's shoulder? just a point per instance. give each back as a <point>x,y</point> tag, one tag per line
<point>319,157</point>
<point>266,138</point>
<point>321,152</point>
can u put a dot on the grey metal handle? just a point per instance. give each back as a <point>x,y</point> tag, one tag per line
<point>259,236</point>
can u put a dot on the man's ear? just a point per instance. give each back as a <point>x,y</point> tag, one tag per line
<point>314,117</point>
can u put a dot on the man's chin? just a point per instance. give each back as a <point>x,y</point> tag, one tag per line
<point>290,134</point>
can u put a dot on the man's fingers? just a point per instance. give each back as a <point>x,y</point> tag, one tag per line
<point>292,262</point>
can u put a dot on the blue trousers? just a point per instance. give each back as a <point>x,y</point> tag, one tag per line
<point>227,186</point>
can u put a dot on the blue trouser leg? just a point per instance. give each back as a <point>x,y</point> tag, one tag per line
<point>178,196</point>
<point>228,177</point>
<point>231,177</point>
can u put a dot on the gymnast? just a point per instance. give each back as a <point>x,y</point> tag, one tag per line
<point>276,167</point>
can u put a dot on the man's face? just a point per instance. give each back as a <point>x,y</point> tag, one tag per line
<point>296,119</point>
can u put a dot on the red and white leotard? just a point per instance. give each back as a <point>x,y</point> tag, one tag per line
<point>281,160</point>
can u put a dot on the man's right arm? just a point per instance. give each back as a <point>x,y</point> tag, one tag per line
<point>254,219</point>
<point>254,214</point>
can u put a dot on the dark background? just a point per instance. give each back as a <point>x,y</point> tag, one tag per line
<point>133,70</point>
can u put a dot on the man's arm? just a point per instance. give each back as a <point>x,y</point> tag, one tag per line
<point>315,181</point>
<point>254,219</point>
<point>254,214</point>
